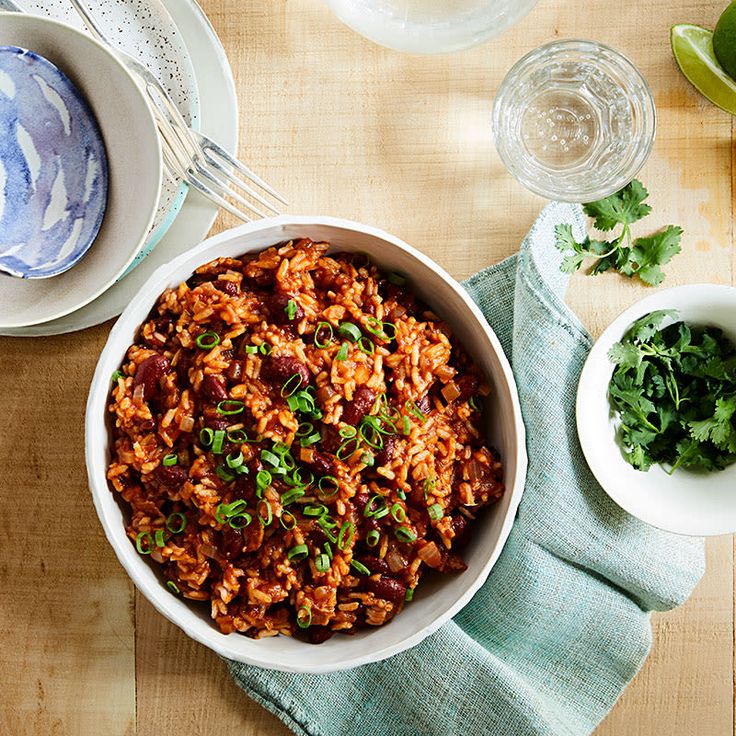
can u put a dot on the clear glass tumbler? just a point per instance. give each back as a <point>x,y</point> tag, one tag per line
<point>574,121</point>
<point>430,26</point>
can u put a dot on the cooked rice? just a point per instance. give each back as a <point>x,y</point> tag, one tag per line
<point>410,391</point>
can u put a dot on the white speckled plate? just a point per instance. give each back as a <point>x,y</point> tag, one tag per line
<point>219,107</point>
<point>146,31</point>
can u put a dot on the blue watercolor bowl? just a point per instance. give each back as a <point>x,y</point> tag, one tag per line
<point>53,168</point>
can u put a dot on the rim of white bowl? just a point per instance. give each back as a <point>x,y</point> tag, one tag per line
<point>104,284</point>
<point>617,328</point>
<point>96,463</point>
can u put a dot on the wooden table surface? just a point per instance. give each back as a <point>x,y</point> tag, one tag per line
<point>349,129</point>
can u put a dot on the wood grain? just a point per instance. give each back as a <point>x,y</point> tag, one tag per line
<point>347,128</point>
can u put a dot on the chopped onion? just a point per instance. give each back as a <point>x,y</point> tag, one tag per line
<point>430,554</point>
<point>138,392</point>
<point>306,454</point>
<point>394,560</point>
<point>475,471</point>
<point>186,424</point>
<point>325,393</point>
<point>451,391</point>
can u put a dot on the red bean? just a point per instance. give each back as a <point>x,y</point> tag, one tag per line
<point>149,373</point>
<point>468,385</point>
<point>322,464</point>
<point>363,400</point>
<point>319,634</point>
<point>172,476</point>
<point>425,404</point>
<point>387,588</point>
<point>232,542</point>
<point>375,564</point>
<point>235,370</point>
<point>386,453</point>
<point>213,387</point>
<point>278,305</point>
<point>283,367</point>
<point>228,287</point>
<point>461,527</point>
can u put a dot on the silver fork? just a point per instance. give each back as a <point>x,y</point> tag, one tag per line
<point>190,155</point>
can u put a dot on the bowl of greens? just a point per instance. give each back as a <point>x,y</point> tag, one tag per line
<point>656,410</point>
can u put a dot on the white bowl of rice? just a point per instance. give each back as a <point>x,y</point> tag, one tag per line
<point>438,597</point>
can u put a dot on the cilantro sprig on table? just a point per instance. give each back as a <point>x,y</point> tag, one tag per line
<point>642,257</point>
<point>674,388</point>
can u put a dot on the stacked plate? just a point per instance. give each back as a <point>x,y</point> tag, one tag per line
<point>174,39</point>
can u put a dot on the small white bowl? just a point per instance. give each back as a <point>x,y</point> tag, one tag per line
<point>696,504</point>
<point>134,163</point>
<point>437,600</point>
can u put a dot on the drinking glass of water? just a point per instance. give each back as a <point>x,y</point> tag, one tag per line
<point>574,121</point>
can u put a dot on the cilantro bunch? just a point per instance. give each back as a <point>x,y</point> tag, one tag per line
<point>642,257</point>
<point>674,388</point>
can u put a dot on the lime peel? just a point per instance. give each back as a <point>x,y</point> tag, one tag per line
<point>693,49</point>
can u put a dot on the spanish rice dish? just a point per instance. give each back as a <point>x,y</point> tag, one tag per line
<point>296,439</point>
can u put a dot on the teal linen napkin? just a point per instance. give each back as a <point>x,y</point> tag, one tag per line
<point>562,625</point>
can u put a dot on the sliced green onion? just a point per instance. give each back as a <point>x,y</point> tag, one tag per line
<point>289,523</point>
<point>206,436</point>
<point>292,495</point>
<point>413,409</point>
<point>359,567</point>
<point>406,425</point>
<point>229,407</point>
<point>473,403</point>
<point>401,494</point>
<point>234,459</point>
<point>116,375</point>
<point>350,331</point>
<point>328,479</point>
<point>265,521</point>
<point>348,432</point>
<point>290,309</point>
<point>298,553</point>
<point>312,510</point>
<point>342,353</point>
<point>292,384</point>
<point>322,562</point>
<point>159,537</point>
<point>347,449</point>
<point>398,512</point>
<point>366,346</point>
<point>435,512</point>
<point>280,448</point>
<point>397,279</point>
<point>409,594</point>
<point>170,459</point>
<point>345,535</point>
<point>173,587</point>
<point>265,349</point>
<point>208,340</point>
<point>383,511</point>
<point>367,459</point>
<point>375,504</point>
<point>218,441</point>
<point>148,539</point>
<point>270,458</point>
<point>263,479</point>
<point>236,436</point>
<point>297,479</point>
<point>242,470</point>
<point>328,549</point>
<point>250,349</point>
<point>327,522</point>
<point>240,521</point>
<point>304,429</point>
<point>224,474</point>
<point>429,486</point>
<point>171,519</point>
<point>311,439</point>
<point>405,535</point>
<point>370,434</point>
<point>304,622</point>
<point>318,342</point>
<point>372,538</point>
<point>378,328</point>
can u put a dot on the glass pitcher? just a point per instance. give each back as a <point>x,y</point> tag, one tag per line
<point>430,26</point>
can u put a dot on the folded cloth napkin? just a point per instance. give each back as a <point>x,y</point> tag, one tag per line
<point>561,626</point>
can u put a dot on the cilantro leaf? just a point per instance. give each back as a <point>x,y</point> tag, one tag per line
<point>643,258</point>
<point>674,391</point>
<point>622,208</point>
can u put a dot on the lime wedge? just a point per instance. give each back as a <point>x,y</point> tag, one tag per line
<point>693,50</point>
